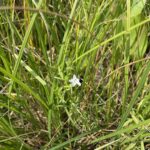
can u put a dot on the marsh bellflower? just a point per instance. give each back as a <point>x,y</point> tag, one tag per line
<point>75,81</point>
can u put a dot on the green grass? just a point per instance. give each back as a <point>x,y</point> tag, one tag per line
<point>44,43</point>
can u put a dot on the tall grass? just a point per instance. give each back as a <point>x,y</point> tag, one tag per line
<point>105,44</point>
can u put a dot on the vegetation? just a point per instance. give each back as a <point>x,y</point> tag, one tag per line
<point>106,44</point>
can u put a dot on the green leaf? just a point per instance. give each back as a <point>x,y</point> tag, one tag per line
<point>135,95</point>
<point>24,86</point>
<point>137,7</point>
<point>25,40</point>
<point>138,39</point>
<point>121,131</point>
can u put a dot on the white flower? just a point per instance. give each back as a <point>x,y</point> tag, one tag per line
<point>75,81</point>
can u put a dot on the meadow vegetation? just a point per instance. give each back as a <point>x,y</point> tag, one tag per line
<point>105,43</point>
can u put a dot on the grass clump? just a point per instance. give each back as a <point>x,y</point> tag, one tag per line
<point>105,44</point>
